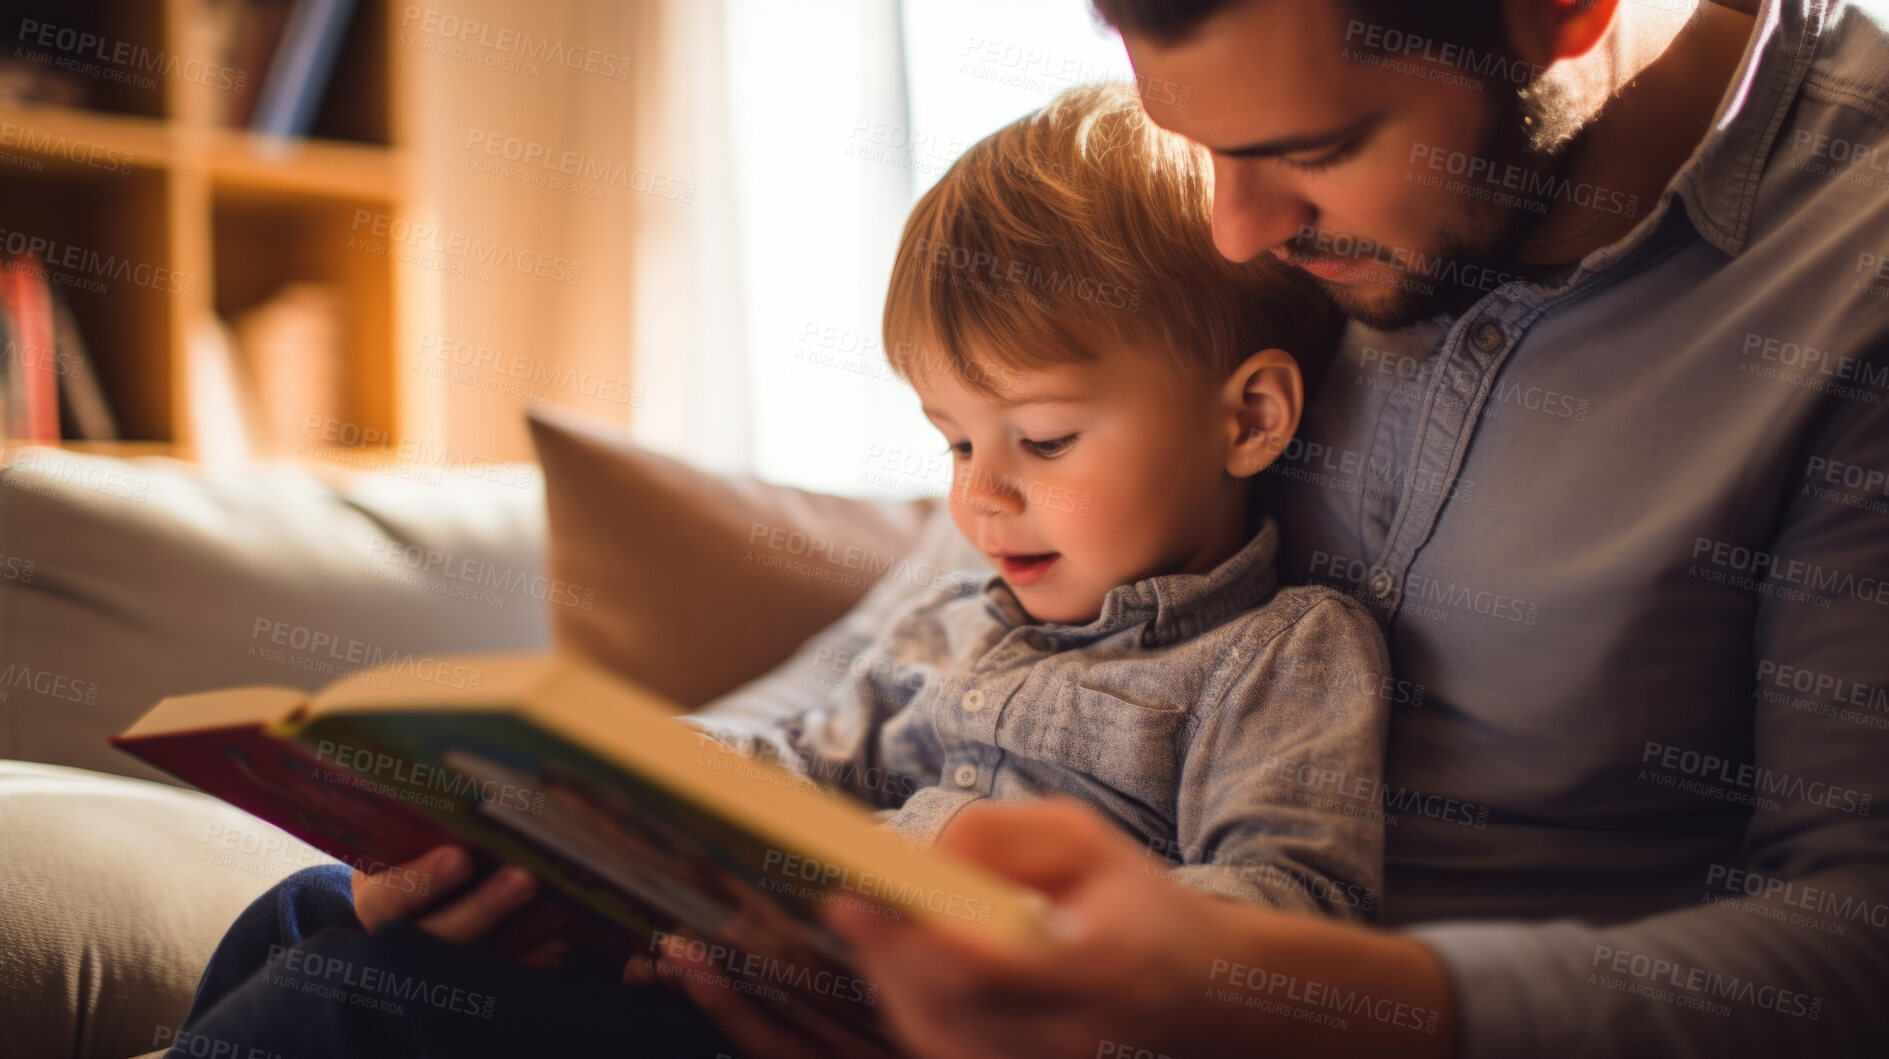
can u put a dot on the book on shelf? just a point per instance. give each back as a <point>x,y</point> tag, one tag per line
<point>243,34</point>
<point>38,66</point>
<point>24,81</point>
<point>86,408</point>
<point>293,350</point>
<point>302,65</point>
<point>45,367</point>
<point>638,827</point>
<point>11,421</point>
<point>31,355</point>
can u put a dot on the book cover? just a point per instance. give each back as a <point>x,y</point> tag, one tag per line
<point>244,34</point>
<point>637,827</point>
<point>304,60</point>
<point>9,341</point>
<point>33,386</point>
<point>85,403</point>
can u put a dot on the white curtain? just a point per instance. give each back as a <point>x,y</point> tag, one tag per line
<point>688,329</point>
<point>810,128</point>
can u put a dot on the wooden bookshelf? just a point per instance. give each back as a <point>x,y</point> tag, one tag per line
<point>216,219</point>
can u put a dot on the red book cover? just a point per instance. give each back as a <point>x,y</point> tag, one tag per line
<point>32,370</point>
<point>323,805</point>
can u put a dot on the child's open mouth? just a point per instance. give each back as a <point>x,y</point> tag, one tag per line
<point>1028,569</point>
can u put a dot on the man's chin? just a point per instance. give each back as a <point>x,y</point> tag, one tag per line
<point>1381,307</point>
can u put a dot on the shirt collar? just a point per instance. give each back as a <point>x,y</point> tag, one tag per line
<point>1174,606</point>
<point>1719,183</point>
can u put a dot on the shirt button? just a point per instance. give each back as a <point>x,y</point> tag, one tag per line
<point>973,700</point>
<point>1487,337</point>
<point>1380,585</point>
<point>965,775</point>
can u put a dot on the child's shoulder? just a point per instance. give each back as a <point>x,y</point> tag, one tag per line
<point>1302,609</point>
<point>1301,626</point>
<point>1306,642</point>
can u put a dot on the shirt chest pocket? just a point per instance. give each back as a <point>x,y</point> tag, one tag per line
<point>1132,748</point>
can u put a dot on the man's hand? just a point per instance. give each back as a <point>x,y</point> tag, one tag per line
<point>1134,961</point>
<point>1126,947</point>
<point>760,1031</point>
<point>414,890</point>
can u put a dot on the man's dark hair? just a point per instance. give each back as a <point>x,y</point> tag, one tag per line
<point>1172,21</point>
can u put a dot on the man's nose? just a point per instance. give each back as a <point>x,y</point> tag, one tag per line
<point>982,490</point>
<point>1254,211</point>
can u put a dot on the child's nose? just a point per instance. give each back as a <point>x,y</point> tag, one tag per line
<point>992,494</point>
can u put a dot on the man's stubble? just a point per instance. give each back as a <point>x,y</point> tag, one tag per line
<point>1531,130</point>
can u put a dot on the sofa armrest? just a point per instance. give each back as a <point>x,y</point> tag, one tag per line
<point>114,895</point>
<point>123,581</point>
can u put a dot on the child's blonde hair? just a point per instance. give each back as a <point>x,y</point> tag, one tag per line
<point>1085,227</point>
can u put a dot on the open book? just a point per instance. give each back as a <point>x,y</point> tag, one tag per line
<point>637,826</point>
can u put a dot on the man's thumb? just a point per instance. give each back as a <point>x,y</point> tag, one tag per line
<point>1049,846</point>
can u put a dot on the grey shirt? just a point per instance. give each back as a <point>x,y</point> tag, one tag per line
<point>1629,531</point>
<point>1188,712</point>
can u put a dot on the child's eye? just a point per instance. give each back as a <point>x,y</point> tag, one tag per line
<point>960,449</point>
<point>1330,158</point>
<point>1049,450</point>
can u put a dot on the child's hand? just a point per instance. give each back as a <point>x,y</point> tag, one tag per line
<point>406,891</point>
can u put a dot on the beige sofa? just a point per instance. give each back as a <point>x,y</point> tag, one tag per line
<point>113,890</point>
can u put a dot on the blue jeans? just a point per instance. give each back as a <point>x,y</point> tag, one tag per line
<point>296,975</point>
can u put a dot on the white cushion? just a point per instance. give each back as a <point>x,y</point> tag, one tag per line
<point>114,894</point>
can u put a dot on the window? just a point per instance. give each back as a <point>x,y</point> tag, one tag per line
<point>841,113</point>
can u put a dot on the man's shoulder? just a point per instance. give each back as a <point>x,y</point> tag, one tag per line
<point>1820,215</point>
<point>1852,61</point>
<point>1839,128</point>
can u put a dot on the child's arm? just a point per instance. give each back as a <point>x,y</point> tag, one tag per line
<point>1280,789</point>
<point>838,741</point>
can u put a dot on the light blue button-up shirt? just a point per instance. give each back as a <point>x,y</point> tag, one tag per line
<point>1226,724</point>
<point>1629,528</point>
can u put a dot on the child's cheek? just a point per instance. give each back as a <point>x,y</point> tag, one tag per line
<point>963,515</point>
<point>1073,520</point>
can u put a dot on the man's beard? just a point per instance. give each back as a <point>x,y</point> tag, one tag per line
<point>1414,284</point>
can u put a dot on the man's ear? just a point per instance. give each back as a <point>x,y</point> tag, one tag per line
<point>1544,32</point>
<point>1262,401</point>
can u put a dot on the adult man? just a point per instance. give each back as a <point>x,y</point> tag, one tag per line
<point>1606,451</point>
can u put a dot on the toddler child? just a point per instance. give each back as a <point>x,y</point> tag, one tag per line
<point>1108,386</point>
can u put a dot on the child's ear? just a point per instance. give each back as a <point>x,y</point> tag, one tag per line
<point>1262,400</point>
